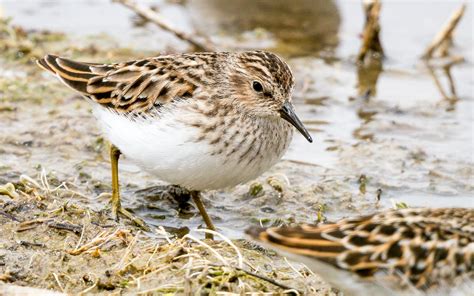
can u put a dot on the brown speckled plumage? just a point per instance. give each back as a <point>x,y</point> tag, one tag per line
<point>212,110</point>
<point>143,85</point>
<point>202,121</point>
<point>424,247</point>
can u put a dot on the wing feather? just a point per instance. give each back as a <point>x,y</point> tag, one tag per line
<point>411,243</point>
<point>135,86</point>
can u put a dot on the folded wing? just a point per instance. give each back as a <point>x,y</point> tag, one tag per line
<point>135,86</point>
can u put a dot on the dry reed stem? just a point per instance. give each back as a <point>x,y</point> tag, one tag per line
<point>228,241</point>
<point>155,18</point>
<point>370,36</point>
<point>443,39</point>
<point>99,240</point>
<point>58,282</point>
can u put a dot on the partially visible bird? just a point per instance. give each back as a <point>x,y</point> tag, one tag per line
<point>419,249</point>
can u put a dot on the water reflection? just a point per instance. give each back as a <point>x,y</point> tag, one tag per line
<point>306,27</point>
<point>367,76</point>
<point>449,94</point>
<point>368,73</point>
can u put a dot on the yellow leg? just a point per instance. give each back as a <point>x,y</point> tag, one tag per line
<point>115,200</point>
<point>197,200</point>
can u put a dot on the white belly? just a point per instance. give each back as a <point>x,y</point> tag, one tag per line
<point>169,149</point>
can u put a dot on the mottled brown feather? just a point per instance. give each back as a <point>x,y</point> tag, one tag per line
<point>422,245</point>
<point>125,87</point>
<point>143,85</point>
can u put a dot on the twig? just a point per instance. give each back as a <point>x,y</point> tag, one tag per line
<point>228,241</point>
<point>87,290</point>
<point>437,82</point>
<point>27,225</point>
<point>30,244</point>
<point>151,257</point>
<point>262,277</point>
<point>9,216</point>
<point>155,18</point>
<point>28,181</point>
<point>452,86</point>
<point>57,281</point>
<point>292,267</point>
<point>444,38</point>
<point>439,86</point>
<point>121,263</point>
<point>98,241</point>
<point>82,236</point>
<point>370,35</point>
<point>77,229</point>
<point>218,256</point>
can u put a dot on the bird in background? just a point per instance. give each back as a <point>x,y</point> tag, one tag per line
<point>396,252</point>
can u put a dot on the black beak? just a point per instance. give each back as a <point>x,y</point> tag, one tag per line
<point>288,113</point>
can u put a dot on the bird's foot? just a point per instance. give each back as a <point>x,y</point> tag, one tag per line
<point>118,209</point>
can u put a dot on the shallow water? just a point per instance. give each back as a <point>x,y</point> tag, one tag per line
<point>406,139</point>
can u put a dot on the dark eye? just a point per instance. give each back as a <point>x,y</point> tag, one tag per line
<point>257,86</point>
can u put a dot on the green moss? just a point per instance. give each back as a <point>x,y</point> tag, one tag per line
<point>321,209</point>
<point>276,184</point>
<point>255,189</point>
<point>401,205</point>
<point>363,184</point>
<point>9,190</point>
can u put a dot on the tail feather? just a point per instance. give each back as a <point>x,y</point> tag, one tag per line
<point>76,67</point>
<point>42,63</point>
<point>73,74</point>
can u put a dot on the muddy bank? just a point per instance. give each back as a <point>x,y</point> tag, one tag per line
<point>49,241</point>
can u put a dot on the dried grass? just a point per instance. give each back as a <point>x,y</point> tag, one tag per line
<point>99,255</point>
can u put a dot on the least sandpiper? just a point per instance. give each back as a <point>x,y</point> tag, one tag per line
<point>202,121</point>
<point>418,248</point>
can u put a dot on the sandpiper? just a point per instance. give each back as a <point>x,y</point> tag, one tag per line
<point>419,248</point>
<point>202,121</point>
